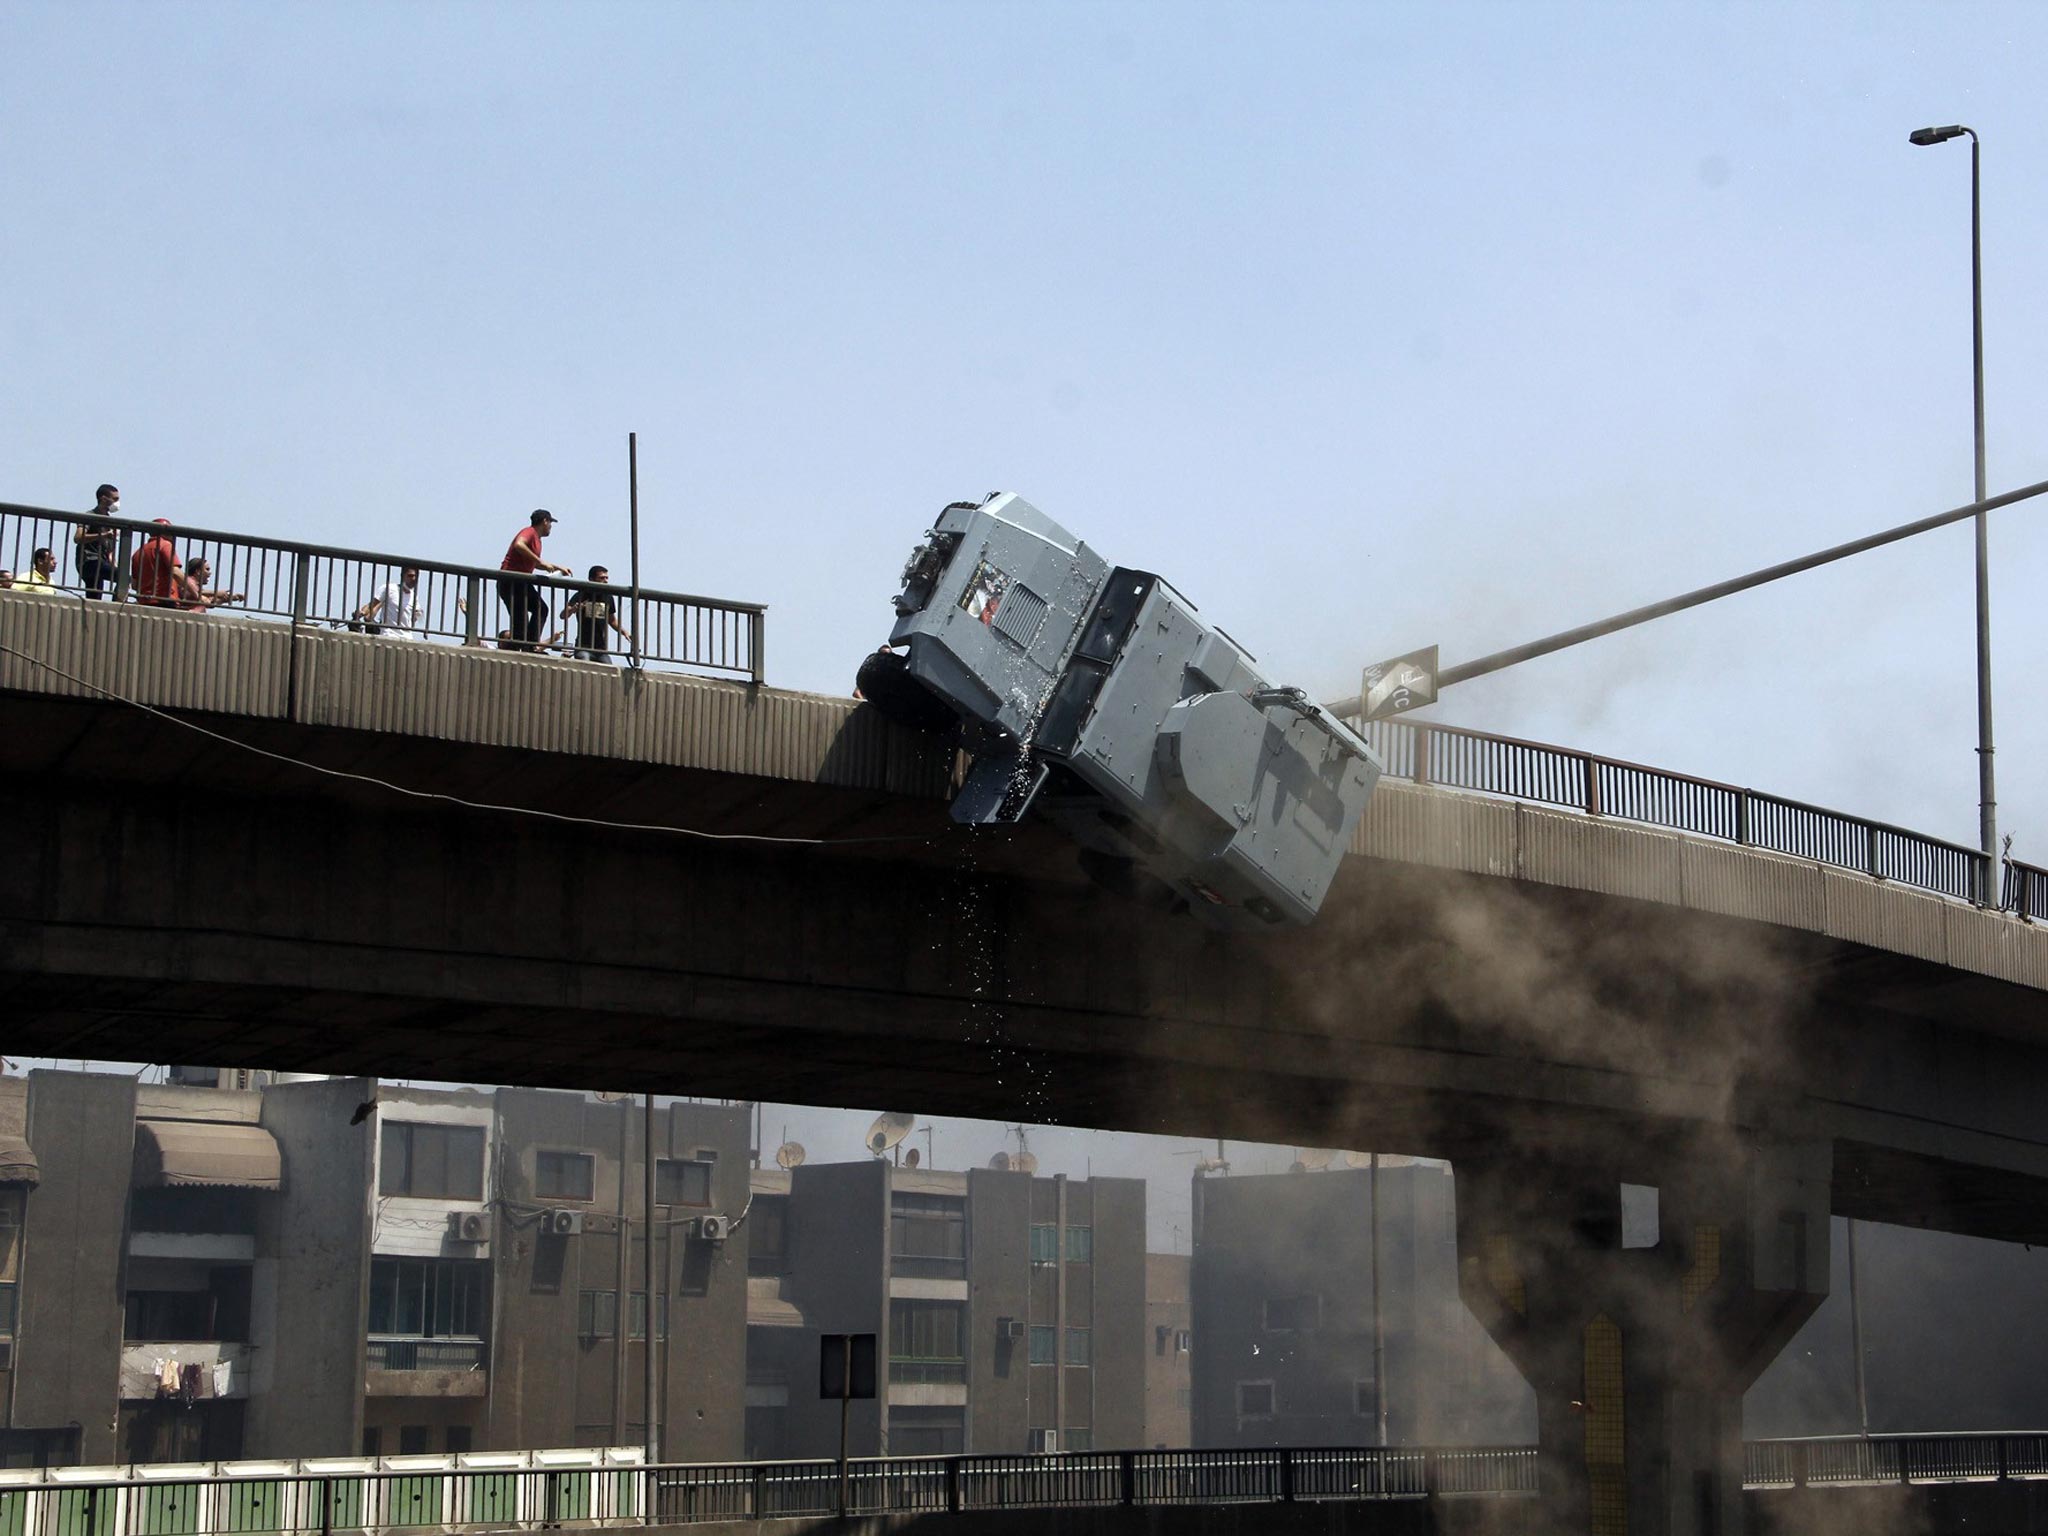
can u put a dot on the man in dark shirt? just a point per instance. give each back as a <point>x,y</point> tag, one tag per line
<point>98,552</point>
<point>596,614</point>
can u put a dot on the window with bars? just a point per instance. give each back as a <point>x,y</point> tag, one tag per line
<point>926,1341</point>
<point>428,1298</point>
<point>597,1315</point>
<point>431,1162</point>
<point>1044,1345</point>
<point>564,1175</point>
<point>928,1236</point>
<point>1045,1243</point>
<point>1080,1245</point>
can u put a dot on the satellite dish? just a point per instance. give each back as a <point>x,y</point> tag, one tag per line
<point>1000,1162</point>
<point>1312,1159</point>
<point>1357,1159</point>
<point>604,1097</point>
<point>887,1131</point>
<point>789,1154</point>
<point>910,1158</point>
<point>1025,1162</point>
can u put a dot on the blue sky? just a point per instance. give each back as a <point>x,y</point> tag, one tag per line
<point>1368,325</point>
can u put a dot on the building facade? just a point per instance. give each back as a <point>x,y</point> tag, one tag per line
<point>1283,1316</point>
<point>325,1268</point>
<point>1009,1309</point>
<point>1169,1351</point>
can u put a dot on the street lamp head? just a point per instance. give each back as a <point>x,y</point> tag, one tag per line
<point>1937,135</point>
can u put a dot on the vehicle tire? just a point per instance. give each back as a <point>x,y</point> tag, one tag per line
<point>884,681</point>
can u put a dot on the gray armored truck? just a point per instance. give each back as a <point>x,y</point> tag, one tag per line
<point>1097,696</point>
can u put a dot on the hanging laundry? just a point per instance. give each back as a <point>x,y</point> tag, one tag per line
<point>166,1378</point>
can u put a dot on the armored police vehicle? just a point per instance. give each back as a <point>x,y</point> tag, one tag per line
<point>1097,696</point>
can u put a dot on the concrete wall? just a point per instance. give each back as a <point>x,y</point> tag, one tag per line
<point>549,1384</point>
<point>68,1327</point>
<point>839,1275</point>
<point>1118,1216</point>
<point>998,1275</point>
<point>312,1274</point>
<point>1169,1381</point>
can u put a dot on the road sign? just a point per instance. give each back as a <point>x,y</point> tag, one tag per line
<point>1406,682</point>
<point>846,1365</point>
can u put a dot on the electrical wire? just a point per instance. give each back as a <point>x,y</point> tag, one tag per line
<point>443,797</point>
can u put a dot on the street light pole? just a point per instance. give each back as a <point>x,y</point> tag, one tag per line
<point>1987,793</point>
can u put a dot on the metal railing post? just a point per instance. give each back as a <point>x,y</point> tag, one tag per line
<point>472,600</point>
<point>757,640</point>
<point>1422,754</point>
<point>953,1485</point>
<point>759,1493</point>
<point>1742,817</point>
<point>326,1506</point>
<point>1127,1478</point>
<point>1286,1477</point>
<point>121,565</point>
<point>1592,770</point>
<point>1870,850</point>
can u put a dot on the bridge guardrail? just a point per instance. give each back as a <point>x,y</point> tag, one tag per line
<point>542,1489</point>
<point>1456,757</point>
<point>286,580</point>
<point>2026,890</point>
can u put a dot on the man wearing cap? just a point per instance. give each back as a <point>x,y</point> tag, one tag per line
<point>521,597</point>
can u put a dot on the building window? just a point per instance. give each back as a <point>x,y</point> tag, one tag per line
<point>597,1315</point>
<point>220,1311</point>
<point>1045,1243</point>
<point>1044,1345</point>
<point>681,1181</point>
<point>1182,1340</point>
<point>414,1439</point>
<point>1077,1439</point>
<point>1255,1399</point>
<point>1293,1314</point>
<point>927,1236</point>
<point>12,1202</point>
<point>564,1176</point>
<point>922,1431</point>
<point>1364,1401</point>
<point>431,1162</point>
<point>1080,1245</point>
<point>926,1341</point>
<point>460,1439</point>
<point>1080,1347</point>
<point>768,1235</point>
<point>428,1298</point>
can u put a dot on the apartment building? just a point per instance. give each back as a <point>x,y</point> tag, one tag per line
<point>1169,1351</point>
<point>1282,1315</point>
<point>1009,1309</point>
<point>320,1268</point>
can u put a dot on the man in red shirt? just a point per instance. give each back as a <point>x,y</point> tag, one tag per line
<point>522,600</point>
<point>154,571</point>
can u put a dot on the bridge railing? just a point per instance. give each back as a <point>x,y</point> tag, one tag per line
<point>286,580</point>
<point>2026,890</point>
<point>1458,758</point>
<point>1843,1461</point>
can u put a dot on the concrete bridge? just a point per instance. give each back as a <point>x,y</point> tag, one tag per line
<point>415,860</point>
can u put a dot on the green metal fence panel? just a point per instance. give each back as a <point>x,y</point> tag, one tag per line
<point>164,1509</point>
<point>493,1498</point>
<point>13,1511</point>
<point>250,1505</point>
<point>84,1512</point>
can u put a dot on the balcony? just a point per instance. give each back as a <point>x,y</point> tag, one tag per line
<point>185,1371</point>
<point>415,1367</point>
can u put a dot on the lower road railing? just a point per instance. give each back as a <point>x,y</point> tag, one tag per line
<point>540,1489</point>
<point>1457,758</point>
<point>100,559</point>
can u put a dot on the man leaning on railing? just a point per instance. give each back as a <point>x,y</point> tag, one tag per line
<point>395,610</point>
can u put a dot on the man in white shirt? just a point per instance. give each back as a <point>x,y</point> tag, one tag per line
<point>396,609</point>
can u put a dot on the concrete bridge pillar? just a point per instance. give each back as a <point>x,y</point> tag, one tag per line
<point>1639,1354</point>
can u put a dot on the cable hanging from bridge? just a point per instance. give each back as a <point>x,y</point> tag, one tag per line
<point>442,796</point>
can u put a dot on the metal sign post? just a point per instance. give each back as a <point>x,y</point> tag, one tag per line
<point>846,1370</point>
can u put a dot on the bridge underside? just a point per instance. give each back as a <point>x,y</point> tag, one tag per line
<point>172,896</point>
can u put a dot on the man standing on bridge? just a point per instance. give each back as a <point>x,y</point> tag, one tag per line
<point>522,599</point>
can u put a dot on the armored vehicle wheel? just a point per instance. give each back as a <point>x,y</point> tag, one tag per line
<point>884,681</point>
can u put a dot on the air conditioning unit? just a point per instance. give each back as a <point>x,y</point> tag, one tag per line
<point>714,1229</point>
<point>468,1226</point>
<point>1010,1329</point>
<point>1045,1442</point>
<point>562,1223</point>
